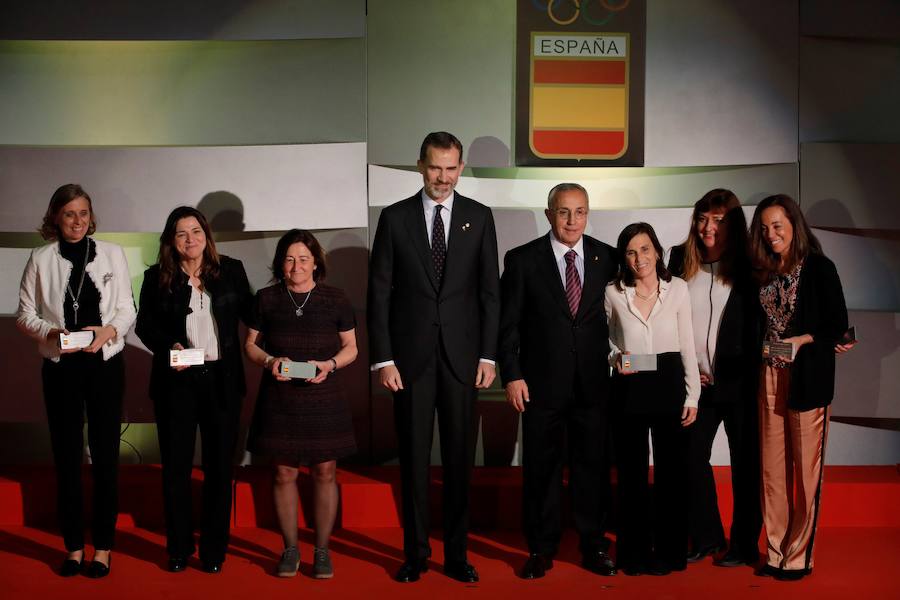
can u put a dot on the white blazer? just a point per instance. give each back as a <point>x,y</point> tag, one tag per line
<point>43,288</point>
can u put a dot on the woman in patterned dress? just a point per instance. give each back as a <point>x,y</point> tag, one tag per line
<point>302,421</point>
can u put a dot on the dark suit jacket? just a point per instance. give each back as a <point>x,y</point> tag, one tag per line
<point>410,312</point>
<point>738,356</point>
<point>821,312</point>
<point>540,341</point>
<point>161,322</point>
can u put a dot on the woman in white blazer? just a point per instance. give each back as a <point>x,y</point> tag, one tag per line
<point>78,284</point>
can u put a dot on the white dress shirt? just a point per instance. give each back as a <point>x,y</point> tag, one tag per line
<point>559,253</point>
<point>429,205</point>
<point>202,331</point>
<point>668,329</point>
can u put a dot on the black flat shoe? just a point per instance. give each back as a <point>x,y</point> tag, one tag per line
<point>97,570</point>
<point>536,566</point>
<point>70,568</point>
<point>410,571</point>
<point>768,570</point>
<point>733,558</point>
<point>212,566</point>
<point>701,553</point>
<point>598,562</point>
<point>177,564</point>
<point>461,571</point>
<point>792,574</point>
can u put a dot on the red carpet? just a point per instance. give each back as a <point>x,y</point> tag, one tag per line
<point>850,563</point>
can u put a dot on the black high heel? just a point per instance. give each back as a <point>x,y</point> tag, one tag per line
<point>97,570</point>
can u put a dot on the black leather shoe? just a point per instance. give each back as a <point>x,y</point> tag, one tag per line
<point>701,553</point>
<point>177,564</point>
<point>70,568</point>
<point>96,569</point>
<point>733,558</point>
<point>212,566</point>
<point>598,562</point>
<point>461,571</point>
<point>536,566</point>
<point>792,574</point>
<point>410,571</point>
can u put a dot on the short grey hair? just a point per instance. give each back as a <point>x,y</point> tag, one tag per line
<point>563,187</point>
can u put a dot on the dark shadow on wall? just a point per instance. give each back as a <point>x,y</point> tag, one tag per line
<point>488,151</point>
<point>223,210</point>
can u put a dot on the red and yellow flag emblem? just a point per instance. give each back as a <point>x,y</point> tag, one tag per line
<point>579,95</point>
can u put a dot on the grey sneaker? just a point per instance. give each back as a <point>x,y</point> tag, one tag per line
<point>322,568</point>
<point>289,563</point>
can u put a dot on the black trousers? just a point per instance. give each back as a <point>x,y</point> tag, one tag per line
<point>574,433</point>
<point>79,384</point>
<point>704,522</point>
<point>651,528</point>
<point>437,388</point>
<point>197,398</point>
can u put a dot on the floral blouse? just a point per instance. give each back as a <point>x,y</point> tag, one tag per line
<point>778,299</point>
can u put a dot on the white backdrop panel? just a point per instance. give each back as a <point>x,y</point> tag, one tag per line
<point>612,187</point>
<point>314,186</point>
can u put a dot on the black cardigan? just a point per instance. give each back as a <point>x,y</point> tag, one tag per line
<point>161,322</point>
<point>821,312</point>
<point>736,364</point>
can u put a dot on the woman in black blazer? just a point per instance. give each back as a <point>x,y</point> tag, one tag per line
<point>193,298</point>
<point>713,261</point>
<point>803,303</point>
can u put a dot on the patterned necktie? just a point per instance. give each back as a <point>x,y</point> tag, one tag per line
<point>573,284</point>
<point>438,244</point>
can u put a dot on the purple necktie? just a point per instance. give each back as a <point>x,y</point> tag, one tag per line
<point>438,244</point>
<point>573,284</point>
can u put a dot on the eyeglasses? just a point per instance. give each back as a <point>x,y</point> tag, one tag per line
<point>565,213</point>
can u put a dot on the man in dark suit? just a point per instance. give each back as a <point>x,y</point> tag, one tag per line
<point>553,360</point>
<point>434,304</point>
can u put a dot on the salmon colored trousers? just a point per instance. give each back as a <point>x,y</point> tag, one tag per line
<point>792,444</point>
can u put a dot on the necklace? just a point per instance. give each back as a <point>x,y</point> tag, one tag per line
<point>299,311</point>
<point>75,296</point>
<point>648,296</point>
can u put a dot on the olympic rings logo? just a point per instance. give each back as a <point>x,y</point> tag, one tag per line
<point>580,10</point>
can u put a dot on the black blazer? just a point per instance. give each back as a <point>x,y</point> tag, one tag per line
<point>161,322</point>
<point>410,313</point>
<point>738,341</point>
<point>821,312</point>
<point>540,341</point>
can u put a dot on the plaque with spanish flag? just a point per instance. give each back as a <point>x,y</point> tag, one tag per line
<point>580,82</point>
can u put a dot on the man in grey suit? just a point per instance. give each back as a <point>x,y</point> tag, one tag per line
<point>434,304</point>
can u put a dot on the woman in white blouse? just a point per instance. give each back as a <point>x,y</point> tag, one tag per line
<point>78,284</point>
<point>194,297</point>
<point>656,389</point>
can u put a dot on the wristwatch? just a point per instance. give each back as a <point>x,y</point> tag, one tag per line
<point>267,363</point>
<point>334,362</point>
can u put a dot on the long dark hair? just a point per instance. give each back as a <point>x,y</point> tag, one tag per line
<point>766,263</point>
<point>735,255</point>
<point>625,277</point>
<point>169,259</point>
<point>295,236</point>
<point>64,194</point>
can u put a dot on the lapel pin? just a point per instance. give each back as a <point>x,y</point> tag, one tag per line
<point>596,258</point>
<point>466,226</point>
<point>107,277</point>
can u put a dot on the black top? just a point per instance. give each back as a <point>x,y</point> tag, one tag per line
<point>738,342</point>
<point>821,312</point>
<point>161,321</point>
<point>89,298</point>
